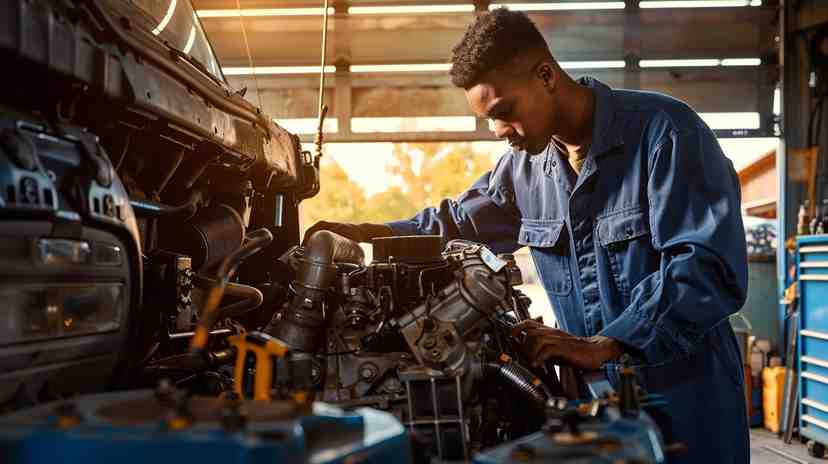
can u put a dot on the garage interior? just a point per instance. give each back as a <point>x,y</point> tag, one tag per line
<point>165,302</point>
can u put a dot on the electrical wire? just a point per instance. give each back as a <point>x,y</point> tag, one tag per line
<point>250,55</point>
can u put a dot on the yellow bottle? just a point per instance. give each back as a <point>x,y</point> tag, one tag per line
<point>773,386</point>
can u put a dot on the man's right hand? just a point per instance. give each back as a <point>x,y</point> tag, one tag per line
<point>357,232</point>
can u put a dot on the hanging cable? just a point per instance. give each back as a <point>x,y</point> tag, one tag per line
<point>249,55</point>
<point>323,108</point>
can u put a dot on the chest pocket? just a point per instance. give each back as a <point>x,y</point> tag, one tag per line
<point>546,239</point>
<point>625,237</point>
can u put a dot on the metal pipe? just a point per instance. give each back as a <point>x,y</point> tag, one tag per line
<point>180,335</point>
<point>149,208</point>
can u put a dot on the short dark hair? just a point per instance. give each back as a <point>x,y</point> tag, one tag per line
<point>492,40</point>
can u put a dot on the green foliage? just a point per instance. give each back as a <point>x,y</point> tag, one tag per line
<point>421,174</point>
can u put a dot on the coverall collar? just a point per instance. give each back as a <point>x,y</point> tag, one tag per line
<point>605,134</point>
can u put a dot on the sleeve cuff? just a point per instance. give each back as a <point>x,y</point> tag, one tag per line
<point>404,227</point>
<point>654,343</point>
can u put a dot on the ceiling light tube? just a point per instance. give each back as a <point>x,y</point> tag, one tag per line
<point>262,70</point>
<point>255,12</point>
<point>379,68</point>
<point>741,62</point>
<point>693,3</point>
<point>592,64</point>
<point>410,9</point>
<point>731,120</point>
<point>678,63</point>
<point>560,6</point>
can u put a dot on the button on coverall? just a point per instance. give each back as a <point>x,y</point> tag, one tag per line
<point>646,245</point>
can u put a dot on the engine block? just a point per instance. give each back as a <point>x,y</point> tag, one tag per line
<point>418,331</point>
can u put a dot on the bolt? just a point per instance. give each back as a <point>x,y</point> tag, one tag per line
<point>367,372</point>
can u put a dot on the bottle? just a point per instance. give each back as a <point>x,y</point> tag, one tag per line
<point>816,220</point>
<point>803,220</point>
<point>822,220</point>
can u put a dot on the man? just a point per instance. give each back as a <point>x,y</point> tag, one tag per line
<point>632,215</point>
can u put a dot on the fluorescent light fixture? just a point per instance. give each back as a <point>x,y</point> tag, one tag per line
<point>592,64</point>
<point>414,124</point>
<point>558,6</point>
<point>695,3</point>
<point>166,19</point>
<point>700,63</point>
<point>677,63</point>
<point>308,125</point>
<point>410,9</point>
<point>260,70</point>
<point>731,120</point>
<point>741,62</point>
<point>253,12</point>
<point>380,68</point>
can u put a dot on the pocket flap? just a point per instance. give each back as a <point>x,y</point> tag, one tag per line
<point>622,227</point>
<point>540,232</point>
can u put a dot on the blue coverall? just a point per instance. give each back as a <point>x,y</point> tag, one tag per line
<point>645,245</point>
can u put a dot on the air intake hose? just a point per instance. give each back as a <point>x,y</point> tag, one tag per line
<point>301,324</point>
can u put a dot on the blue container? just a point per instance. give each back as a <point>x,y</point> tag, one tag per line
<point>812,342</point>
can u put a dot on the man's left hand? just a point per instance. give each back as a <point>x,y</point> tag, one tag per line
<point>544,343</point>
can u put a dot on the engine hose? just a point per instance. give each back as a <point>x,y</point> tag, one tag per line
<point>255,241</point>
<point>251,296</point>
<point>186,210</point>
<point>301,325</point>
<point>522,380</point>
<point>252,299</point>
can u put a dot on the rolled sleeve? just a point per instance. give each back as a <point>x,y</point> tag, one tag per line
<point>485,213</point>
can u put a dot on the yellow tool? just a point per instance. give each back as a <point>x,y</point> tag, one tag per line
<point>266,351</point>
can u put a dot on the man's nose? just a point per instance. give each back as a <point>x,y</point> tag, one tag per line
<point>503,130</point>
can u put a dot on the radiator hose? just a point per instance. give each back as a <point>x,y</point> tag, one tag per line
<point>519,378</point>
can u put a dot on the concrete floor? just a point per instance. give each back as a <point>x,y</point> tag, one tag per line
<point>759,454</point>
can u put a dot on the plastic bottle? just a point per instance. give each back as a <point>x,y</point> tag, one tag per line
<point>822,219</point>
<point>803,221</point>
<point>816,220</point>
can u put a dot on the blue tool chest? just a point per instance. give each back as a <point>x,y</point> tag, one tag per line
<point>812,345</point>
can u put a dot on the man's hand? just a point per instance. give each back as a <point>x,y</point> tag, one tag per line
<point>544,343</point>
<point>357,232</point>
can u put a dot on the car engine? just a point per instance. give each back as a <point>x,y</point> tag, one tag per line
<point>418,331</point>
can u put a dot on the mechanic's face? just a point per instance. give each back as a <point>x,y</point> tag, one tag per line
<point>520,106</point>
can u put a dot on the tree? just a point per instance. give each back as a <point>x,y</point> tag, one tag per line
<point>422,175</point>
<point>430,172</point>
<point>338,200</point>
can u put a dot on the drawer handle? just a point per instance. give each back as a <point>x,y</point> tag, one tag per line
<point>814,334</point>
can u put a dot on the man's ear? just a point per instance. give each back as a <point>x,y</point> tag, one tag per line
<point>547,73</point>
